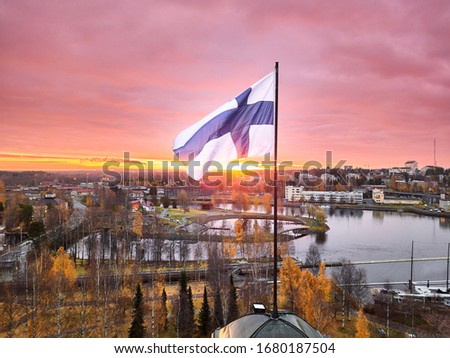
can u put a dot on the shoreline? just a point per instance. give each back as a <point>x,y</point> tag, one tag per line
<point>394,209</point>
<point>386,208</point>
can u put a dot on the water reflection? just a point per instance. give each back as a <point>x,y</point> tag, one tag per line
<point>321,238</point>
<point>378,215</point>
<point>346,213</point>
<point>444,223</point>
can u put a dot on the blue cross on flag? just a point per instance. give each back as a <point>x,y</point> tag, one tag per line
<point>241,128</point>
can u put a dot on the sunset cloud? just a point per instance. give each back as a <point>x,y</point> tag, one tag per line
<point>368,80</point>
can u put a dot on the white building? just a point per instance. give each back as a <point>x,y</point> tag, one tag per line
<point>398,170</point>
<point>444,203</point>
<point>412,165</point>
<point>296,193</point>
<point>378,197</point>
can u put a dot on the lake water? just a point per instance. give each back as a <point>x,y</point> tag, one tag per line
<point>360,235</point>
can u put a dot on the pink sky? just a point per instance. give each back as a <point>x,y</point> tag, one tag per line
<point>369,80</point>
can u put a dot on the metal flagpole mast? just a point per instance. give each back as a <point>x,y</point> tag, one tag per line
<point>275,199</point>
<point>448,264</point>
<point>412,263</point>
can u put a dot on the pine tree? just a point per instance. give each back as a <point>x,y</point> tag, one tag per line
<point>233,311</point>
<point>160,309</point>
<point>204,316</point>
<point>185,316</point>
<point>137,329</point>
<point>191,300</point>
<point>218,310</point>
<point>164,307</point>
<point>191,312</point>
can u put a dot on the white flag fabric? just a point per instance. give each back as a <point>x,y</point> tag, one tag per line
<point>241,128</point>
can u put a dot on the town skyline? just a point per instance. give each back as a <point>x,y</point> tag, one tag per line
<point>366,81</point>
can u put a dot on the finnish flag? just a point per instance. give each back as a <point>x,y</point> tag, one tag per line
<point>241,128</point>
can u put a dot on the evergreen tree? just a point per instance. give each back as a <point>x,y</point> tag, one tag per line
<point>137,329</point>
<point>218,310</point>
<point>233,311</point>
<point>164,307</point>
<point>191,311</point>
<point>191,300</point>
<point>185,316</point>
<point>204,316</point>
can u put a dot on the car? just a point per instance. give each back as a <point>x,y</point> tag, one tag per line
<point>381,332</point>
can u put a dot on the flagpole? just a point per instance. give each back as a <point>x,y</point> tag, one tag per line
<point>275,199</point>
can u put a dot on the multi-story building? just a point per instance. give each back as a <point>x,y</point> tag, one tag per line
<point>379,198</point>
<point>412,165</point>
<point>295,193</point>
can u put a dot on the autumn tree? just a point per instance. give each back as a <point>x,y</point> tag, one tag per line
<point>239,231</point>
<point>255,202</point>
<point>362,325</point>
<point>205,315</point>
<point>243,197</point>
<point>320,216</point>
<point>313,258</point>
<point>2,194</point>
<point>290,275</point>
<point>137,328</point>
<point>318,309</point>
<point>267,203</point>
<point>183,200</point>
<point>138,223</point>
<point>352,282</point>
<point>63,276</point>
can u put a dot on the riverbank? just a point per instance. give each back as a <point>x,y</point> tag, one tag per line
<point>390,208</point>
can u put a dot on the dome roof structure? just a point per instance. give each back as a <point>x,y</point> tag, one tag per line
<point>261,325</point>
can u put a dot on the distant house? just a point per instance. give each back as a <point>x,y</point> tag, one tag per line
<point>444,203</point>
<point>148,207</point>
<point>135,205</point>
<point>412,165</point>
<point>398,170</point>
<point>136,194</point>
<point>48,201</point>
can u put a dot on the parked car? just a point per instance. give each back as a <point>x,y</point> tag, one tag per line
<point>381,332</point>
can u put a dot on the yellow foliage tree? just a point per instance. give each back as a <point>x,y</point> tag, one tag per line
<point>234,195</point>
<point>255,202</point>
<point>318,312</point>
<point>63,276</point>
<point>362,325</point>
<point>267,203</point>
<point>245,202</point>
<point>290,277</point>
<point>239,231</point>
<point>137,224</point>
